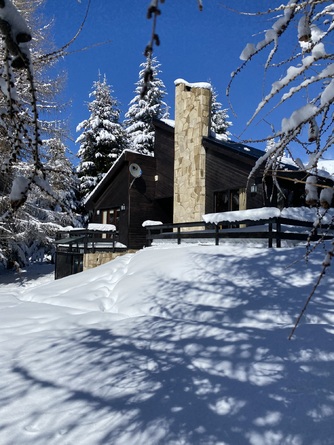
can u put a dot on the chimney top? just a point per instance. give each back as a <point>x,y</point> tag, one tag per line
<point>204,85</point>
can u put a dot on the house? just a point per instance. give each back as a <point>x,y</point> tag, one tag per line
<point>192,173</point>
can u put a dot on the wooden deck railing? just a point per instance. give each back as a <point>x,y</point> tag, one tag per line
<point>86,241</point>
<point>272,229</point>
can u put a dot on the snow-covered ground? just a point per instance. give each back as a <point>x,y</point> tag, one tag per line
<point>171,345</point>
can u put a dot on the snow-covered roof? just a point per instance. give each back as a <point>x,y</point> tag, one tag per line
<point>236,146</point>
<point>170,122</point>
<point>327,165</point>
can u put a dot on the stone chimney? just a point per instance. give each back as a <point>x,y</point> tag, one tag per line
<point>192,122</point>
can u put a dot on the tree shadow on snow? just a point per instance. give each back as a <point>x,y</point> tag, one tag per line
<point>216,371</point>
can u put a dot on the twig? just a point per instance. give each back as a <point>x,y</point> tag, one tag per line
<point>326,263</point>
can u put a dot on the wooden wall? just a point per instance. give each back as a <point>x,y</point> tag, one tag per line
<point>164,155</point>
<point>119,188</point>
<point>141,203</point>
<point>228,169</point>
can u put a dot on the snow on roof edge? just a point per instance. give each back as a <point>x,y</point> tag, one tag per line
<point>170,122</point>
<point>127,150</point>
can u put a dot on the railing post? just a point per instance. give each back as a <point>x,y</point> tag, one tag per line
<point>85,250</point>
<point>217,235</point>
<point>278,232</point>
<point>179,235</point>
<point>148,237</point>
<point>270,234</point>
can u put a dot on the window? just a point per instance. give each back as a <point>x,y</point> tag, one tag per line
<point>111,216</point>
<point>226,200</point>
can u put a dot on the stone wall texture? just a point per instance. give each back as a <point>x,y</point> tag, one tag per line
<point>92,260</point>
<point>192,121</point>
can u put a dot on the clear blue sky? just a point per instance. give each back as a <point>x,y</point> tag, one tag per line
<point>196,46</point>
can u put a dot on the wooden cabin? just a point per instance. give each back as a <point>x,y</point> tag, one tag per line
<point>191,173</point>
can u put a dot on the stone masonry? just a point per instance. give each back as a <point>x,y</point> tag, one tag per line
<point>192,121</point>
<point>91,260</point>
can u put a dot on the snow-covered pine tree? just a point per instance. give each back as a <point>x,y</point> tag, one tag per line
<point>219,117</point>
<point>63,180</point>
<point>28,224</point>
<point>31,233</point>
<point>143,108</point>
<point>103,137</point>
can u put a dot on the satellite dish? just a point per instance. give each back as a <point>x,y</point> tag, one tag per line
<point>135,170</point>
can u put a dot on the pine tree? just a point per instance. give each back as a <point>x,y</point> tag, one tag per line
<point>103,138</point>
<point>219,118</point>
<point>143,108</point>
<point>62,177</point>
<point>33,229</point>
<point>30,208</point>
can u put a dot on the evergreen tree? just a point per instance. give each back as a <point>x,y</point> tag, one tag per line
<point>30,208</point>
<point>52,204</point>
<point>103,138</point>
<point>219,117</point>
<point>62,177</point>
<point>147,105</point>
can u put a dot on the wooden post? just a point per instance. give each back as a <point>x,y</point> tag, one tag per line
<point>270,236</point>
<point>148,238</point>
<point>217,235</point>
<point>278,232</point>
<point>113,241</point>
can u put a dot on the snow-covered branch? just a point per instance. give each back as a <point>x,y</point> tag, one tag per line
<point>300,60</point>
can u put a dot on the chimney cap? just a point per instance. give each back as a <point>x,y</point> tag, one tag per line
<point>204,85</point>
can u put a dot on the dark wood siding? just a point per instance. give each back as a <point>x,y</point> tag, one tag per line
<point>141,204</point>
<point>116,194</point>
<point>229,170</point>
<point>164,154</point>
<point>137,195</point>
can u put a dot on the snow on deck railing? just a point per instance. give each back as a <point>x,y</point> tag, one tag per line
<point>267,223</point>
<point>91,226</point>
<point>149,222</point>
<point>102,227</point>
<point>297,213</point>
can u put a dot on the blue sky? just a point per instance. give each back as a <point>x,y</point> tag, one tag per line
<point>196,46</point>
